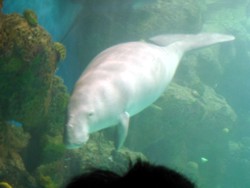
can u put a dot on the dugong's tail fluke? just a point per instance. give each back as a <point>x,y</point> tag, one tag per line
<point>189,42</point>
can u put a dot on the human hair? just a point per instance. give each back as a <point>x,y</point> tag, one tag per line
<point>141,173</point>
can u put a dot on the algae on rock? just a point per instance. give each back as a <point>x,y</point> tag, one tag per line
<point>28,91</point>
<point>27,63</point>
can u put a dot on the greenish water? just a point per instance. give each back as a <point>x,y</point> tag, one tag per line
<point>199,127</point>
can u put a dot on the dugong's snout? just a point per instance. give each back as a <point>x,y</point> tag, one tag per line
<point>75,136</point>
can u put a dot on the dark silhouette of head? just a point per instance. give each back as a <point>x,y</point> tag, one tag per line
<point>141,173</point>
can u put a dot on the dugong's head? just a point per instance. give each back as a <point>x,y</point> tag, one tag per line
<point>76,132</point>
<point>80,118</point>
<point>91,108</point>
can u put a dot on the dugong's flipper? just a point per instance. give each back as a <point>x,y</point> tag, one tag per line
<point>122,130</point>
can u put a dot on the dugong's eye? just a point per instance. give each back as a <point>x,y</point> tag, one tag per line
<point>90,114</point>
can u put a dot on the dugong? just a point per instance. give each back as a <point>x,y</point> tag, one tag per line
<point>125,79</point>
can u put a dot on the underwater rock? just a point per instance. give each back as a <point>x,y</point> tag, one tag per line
<point>32,96</point>
<point>61,50</point>
<point>31,17</point>
<point>182,110</point>
<point>52,147</point>
<point>12,168</point>
<point>187,128</point>
<point>27,64</point>
<point>168,16</point>
<point>98,153</point>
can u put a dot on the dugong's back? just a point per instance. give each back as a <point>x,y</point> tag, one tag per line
<point>136,70</point>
